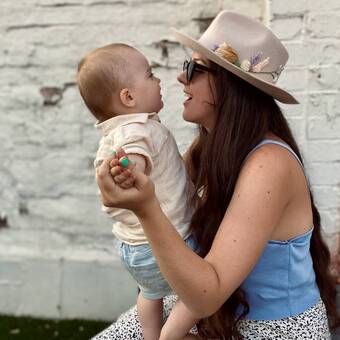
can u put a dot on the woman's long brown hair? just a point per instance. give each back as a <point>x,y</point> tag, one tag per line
<point>244,115</point>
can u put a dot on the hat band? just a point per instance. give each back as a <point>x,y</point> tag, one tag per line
<point>275,74</point>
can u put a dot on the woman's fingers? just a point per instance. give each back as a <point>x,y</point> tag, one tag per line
<point>135,191</point>
<point>121,167</point>
<point>128,183</point>
<point>115,171</point>
<point>114,162</point>
<point>106,183</point>
<point>117,154</point>
<point>119,175</point>
<point>104,169</point>
<point>121,158</point>
<point>141,180</point>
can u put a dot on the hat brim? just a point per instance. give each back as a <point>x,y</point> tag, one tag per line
<point>269,88</point>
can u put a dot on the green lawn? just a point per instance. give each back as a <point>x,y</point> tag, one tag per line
<point>12,328</point>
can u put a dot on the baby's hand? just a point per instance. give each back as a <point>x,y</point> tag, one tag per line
<point>123,165</point>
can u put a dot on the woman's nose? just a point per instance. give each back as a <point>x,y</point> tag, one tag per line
<point>182,78</point>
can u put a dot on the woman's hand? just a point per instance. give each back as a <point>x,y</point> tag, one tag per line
<point>125,179</point>
<point>140,198</point>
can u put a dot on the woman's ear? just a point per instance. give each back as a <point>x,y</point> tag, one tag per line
<point>127,98</point>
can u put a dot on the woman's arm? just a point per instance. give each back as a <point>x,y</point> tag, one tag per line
<point>260,196</point>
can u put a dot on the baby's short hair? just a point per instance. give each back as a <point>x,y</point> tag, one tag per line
<point>100,75</point>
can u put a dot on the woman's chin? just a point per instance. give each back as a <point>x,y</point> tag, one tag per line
<point>186,116</point>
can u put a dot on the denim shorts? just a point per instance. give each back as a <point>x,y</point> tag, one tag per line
<point>143,267</point>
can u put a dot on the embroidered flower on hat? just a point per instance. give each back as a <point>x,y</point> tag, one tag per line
<point>255,64</point>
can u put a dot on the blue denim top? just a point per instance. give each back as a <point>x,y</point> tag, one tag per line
<point>282,283</point>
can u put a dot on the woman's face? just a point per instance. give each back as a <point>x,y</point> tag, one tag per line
<point>200,92</point>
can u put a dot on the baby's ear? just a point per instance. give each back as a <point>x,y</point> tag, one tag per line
<point>126,98</point>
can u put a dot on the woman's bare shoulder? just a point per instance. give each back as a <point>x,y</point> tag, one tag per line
<point>269,160</point>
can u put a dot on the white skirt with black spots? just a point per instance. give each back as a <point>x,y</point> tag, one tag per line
<point>310,325</point>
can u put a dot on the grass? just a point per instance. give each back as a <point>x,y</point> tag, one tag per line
<point>24,328</point>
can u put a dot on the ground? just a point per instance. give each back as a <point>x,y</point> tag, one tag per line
<point>12,328</point>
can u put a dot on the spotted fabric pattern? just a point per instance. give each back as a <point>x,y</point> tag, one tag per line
<point>128,327</point>
<point>310,325</point>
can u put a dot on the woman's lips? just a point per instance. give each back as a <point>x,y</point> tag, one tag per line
<point>188,95</point>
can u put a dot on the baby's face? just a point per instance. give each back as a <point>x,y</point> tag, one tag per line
<point>145,86</point>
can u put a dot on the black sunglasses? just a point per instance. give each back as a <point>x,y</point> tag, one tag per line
<point>190,66</point>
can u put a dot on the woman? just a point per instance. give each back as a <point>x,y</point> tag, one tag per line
<point>262,271</point>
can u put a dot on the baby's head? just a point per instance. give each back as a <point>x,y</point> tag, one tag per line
<point>117,79</point>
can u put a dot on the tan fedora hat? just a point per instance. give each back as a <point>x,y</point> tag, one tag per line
<point>246,48</point>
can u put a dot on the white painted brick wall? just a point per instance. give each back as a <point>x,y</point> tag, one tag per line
<point>55,244</point>
<point>56,256</point>
<point>310,30</point>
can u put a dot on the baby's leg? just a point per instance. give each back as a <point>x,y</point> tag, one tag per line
<point>178,324</point>
<point>150,314</point>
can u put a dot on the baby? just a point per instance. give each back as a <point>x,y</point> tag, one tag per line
<point>119,88</point>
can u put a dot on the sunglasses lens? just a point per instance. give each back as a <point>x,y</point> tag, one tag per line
<point>190,66</point>
<point>190,70</point>
<point>185,65</point>
<point>186,68</point>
